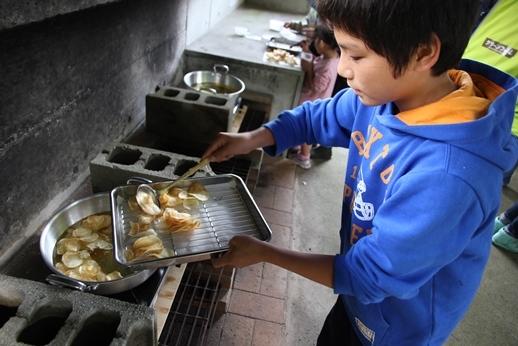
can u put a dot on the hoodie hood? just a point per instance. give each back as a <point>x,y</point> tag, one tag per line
<point>471,117</point>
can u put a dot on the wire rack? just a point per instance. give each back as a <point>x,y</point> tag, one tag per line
<point>195,305</point>
<point>229,211</point>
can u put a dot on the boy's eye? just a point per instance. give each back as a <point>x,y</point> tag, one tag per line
<point>356,58</point>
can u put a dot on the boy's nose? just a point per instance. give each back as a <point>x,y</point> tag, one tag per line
<point>344,71</point>
<point>343,68</point>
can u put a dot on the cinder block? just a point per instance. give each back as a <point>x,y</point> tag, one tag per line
<point>43,314</point>
<point>188,118</point>
<point>120,162</point>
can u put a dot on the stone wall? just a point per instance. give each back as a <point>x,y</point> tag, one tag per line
<point>73,79</point>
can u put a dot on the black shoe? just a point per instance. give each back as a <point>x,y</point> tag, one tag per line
<point>321,153</point>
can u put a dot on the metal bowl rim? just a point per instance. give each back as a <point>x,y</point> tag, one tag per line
<point>59,213</point>
<point>187,77</point>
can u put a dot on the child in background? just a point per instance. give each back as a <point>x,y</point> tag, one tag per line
<point>495,42</point>
<point>506,229</point>
<point>429,140</point>
<point>319,79</point>
<point>308,25</point>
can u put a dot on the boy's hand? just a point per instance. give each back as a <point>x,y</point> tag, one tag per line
<point>226,145</point>
<point>244,251</point>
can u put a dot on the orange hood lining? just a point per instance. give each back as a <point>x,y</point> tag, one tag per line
<point>469,102</point>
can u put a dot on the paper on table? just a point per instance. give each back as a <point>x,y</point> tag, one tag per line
<point>276,25</point>
<point>253,37</point>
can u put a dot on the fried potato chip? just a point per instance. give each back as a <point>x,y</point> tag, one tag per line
<point>72,259</point>
<point>114,275</point>
<point>146,241</point>
<point>166,200</point>
<point>178,222</point>
<point>81,232</point>
<point>146,203</point>
<point>68,244</point>
<point>97,222</point>
<point>198,191</point>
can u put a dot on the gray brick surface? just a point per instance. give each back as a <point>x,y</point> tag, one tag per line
<point>119,162</point>
<point>192,118</point>
<point>46,307</point>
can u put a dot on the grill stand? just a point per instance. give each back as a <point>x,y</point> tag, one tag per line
<point>201,299</point>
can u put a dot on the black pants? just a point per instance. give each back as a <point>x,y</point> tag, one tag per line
<point>511,215</point>
<point>337,329</point>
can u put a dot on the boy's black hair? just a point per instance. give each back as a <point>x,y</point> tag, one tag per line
<point>395,29</point>
<point>326,34</point>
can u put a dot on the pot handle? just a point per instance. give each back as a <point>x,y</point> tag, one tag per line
<point>219,68</point>
<point>64,281</point>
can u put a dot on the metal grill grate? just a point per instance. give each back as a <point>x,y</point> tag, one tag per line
<point>193,310</point>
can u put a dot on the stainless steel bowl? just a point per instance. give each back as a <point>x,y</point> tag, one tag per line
<point>99,203</point>
<point>217,82</point>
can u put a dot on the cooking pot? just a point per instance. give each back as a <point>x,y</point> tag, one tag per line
<point>78,210</point>
<point>216,82</point>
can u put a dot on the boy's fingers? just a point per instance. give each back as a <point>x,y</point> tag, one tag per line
<point>209,153</point>
<point>221,156</point>
<point>218,262</point>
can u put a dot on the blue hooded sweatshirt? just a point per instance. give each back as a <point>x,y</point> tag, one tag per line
<point>421,191</point>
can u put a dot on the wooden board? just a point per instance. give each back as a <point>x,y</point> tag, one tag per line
<point>238,119</point>
<point>166,294</point>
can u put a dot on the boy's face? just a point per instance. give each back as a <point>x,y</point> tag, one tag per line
<point>370,75</point>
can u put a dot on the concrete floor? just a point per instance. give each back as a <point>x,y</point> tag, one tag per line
<point>492,319</point>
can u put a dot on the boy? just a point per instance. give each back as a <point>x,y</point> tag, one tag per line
<point>428,146</point>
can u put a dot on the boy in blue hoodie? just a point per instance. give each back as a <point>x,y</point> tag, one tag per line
<point>429,140</point>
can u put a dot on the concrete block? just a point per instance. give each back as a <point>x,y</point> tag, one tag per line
<point>120,162</point>
<point>190,118</point>
<point>56,316</point>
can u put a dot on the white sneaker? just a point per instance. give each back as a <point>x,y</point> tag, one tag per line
<point>301,161</point>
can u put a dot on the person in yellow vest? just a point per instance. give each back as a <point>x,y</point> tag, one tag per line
<point>495,43</point>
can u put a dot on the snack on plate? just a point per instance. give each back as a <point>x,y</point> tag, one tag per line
<point>281,56</point>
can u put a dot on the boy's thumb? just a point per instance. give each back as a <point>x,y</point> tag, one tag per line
<point>220,261</point>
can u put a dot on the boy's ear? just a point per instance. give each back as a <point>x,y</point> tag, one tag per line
<point>428,54</point>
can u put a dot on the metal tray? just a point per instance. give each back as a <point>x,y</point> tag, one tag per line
<point>294,49</point>
<point>229,211</point>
